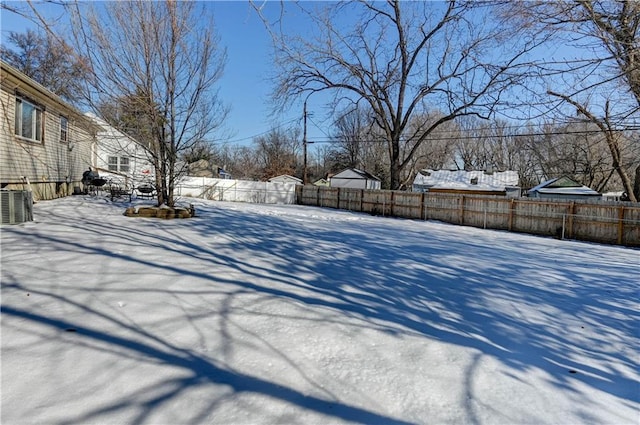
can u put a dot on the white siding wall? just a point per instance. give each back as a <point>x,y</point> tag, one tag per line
<point>112,143</point>
<point>352,180</point>
<point>351,183</point>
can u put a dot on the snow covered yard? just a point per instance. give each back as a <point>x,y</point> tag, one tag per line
<point>263,314</point>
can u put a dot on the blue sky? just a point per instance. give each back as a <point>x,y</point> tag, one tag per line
<point>244,87</point>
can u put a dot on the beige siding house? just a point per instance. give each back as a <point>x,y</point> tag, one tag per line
<point>45,143</point>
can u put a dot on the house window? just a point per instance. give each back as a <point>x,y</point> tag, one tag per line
<point>113,163</point>
<point>119,164</point>
<point>64,129</point>
<point>28,120</point>
<point>124,164</point>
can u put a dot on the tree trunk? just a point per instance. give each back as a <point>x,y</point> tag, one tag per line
<point>395,165</point>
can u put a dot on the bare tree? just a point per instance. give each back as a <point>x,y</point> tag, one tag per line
<point>613,137</point>
<point>241,162</point>
<point>163,59</point>
<point>575,149</point>
<point>488,145</point>
<point>29,10</point>
<point>398,59</point>
<point>277,152</point>
<point>49,61</point>
<point>437,149</point>
<point>472,152</point>
<point>601,81</point>
<point>321,161</point>
<point>352,130</point>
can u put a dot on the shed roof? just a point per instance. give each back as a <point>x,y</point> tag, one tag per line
<point>285,178</point>
<point>355,173</point>
<point>563,186</point>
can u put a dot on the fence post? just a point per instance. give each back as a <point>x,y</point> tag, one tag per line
<point>572,212</point>
<point>564,220</point>
<point>392,203</point>
<point>361,200</point>
<point>511,211</point>
<point>461,212</point>
<point>338,199</point>
<point>423,209</point>
<point>485,214</point>
<point>620,225</point>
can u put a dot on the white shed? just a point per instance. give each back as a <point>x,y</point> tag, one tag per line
<point>355,179</point>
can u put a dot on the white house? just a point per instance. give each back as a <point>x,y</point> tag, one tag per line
<point>562,188</point>
<point>501,183</point>
<point>119,158</point>
<point>354,179</point>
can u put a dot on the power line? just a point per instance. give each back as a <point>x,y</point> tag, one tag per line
<point>445,135</point>
<point>248,138</point>
<point>474,137</point>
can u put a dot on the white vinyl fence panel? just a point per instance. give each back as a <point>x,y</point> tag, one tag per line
<point>237,190</point>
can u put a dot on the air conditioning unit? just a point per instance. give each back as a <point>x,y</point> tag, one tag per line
<point>16,206</point>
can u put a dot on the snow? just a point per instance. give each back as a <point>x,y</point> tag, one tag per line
<point>263,314</point>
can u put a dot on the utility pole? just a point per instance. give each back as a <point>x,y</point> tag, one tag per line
<point>304,144</point>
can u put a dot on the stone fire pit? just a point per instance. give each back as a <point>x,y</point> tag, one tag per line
<point>160,212</point>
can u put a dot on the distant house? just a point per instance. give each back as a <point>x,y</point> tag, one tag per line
<point>285,178</point>
<point>205,168</point>
<point>321,182</point>
<point>120,158</point>
<point>562,188</point>
<point>45,143</point>
<point>499,183</point>
<point>614,196</point>
<point>223,174</point>
<point>354,179</point>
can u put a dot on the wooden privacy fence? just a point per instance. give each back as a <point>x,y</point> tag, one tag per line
<point>595,221</point>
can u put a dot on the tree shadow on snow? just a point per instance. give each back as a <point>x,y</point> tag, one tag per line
<point>528,313</point>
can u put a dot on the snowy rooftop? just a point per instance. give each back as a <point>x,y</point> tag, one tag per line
<point>563,186</point>
<point>467,180</point>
